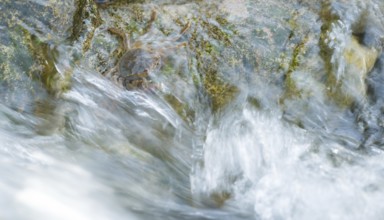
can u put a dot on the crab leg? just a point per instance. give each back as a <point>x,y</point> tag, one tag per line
<point>185,28</point>
<point>110,72</point>
<point>162,51</point>
<point>182,32</point>
<point>124,37</point>
<point>150,22</point>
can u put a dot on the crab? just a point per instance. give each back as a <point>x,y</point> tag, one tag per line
<point>139,60</point>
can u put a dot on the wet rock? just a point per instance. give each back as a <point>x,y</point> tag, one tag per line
<point>359,61</point>
<point>206,38</point>
<point>349,49</point>
<point>29,32</point>
<point>229,52</point>
<point>327,72</point>
<point>36,54</point>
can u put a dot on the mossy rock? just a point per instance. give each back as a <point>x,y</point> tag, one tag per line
<point>35,37</point>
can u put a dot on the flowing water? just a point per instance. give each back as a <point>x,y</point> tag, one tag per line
<point>272,110</point>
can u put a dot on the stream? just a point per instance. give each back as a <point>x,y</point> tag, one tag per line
<point>256,110</point>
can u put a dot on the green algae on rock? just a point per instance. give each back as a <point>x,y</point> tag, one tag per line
<point>85,20</point>
<point>207,59</point>
<point>33,47</point>
<point>20,20</point>
<point>43,31</point>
